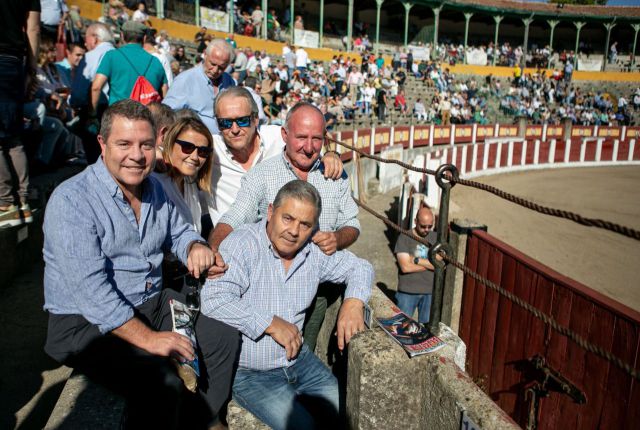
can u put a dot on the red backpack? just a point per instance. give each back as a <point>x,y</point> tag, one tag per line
<point>142,90</point>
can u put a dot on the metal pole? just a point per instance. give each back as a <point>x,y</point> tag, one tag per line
<point>265,5</point>
<point>497,19</point>
<point>436,26</point>
<point>579,26</point>
<point>321,29</point>
<point>350,25</point>
<point>552,23</point>
<point>441,245</point>
<point>292,18</point>
<point>378,7</point>
<point>527,22</point>
<point>231,16</point>
<point>467,18</point>
<point>407,8</point>
<point>636,27</point>
<point>198,13</point>
<point>609,27</point>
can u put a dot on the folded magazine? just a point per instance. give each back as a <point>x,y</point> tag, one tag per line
<point>413,336</point>
<point>183,323</point>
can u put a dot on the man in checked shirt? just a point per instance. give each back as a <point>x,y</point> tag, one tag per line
<point>274,272</point>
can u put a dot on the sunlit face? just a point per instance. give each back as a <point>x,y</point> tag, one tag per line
<point>424,222</point>
<point>290,226</point>
<point>215,63</point>
<point>90,39</point>
<point>237,138</point>
<point>75,56</point>
<point>188,164</point>
<point>129,154</point>
<point>304,138</point>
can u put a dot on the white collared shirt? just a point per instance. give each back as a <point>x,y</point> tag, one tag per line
<point>227,172</point>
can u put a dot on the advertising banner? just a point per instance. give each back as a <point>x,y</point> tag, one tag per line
<point>214,19</point>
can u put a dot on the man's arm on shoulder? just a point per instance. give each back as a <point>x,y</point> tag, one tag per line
<point>221,298</point>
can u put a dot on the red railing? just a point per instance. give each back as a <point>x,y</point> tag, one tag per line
<point>501,337</point>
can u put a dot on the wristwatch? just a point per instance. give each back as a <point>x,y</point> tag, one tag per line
<point>416,260</point>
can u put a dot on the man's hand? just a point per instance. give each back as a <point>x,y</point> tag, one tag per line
<point>218,268</point>
<point>350,321</point>
<point>199,260</point>
<point>332,165</point>
<point>170,344</point>
<point>287,335</point>
<point>327,241</point>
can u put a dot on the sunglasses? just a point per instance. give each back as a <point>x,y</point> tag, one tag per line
<point>188,148</point>
<point>225,123</point>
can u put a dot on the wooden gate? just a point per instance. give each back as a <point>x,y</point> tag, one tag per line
<point>502,338</point>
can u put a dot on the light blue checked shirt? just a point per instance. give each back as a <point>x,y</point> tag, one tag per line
<point>99,262</point>
<point>260,185</point>
<point>256,288</point>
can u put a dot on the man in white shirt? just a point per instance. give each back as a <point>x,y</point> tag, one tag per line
<point>302,59</point>
<point>240,147</point>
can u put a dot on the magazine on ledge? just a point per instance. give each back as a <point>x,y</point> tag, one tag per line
<point>414,337</point>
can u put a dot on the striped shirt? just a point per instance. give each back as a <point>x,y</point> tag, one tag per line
<point>261,184</point>
<point>256,288</point>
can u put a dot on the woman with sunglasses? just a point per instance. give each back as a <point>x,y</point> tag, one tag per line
<point>187,154</point>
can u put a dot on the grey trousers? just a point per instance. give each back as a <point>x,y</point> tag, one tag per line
<point>13,165</point>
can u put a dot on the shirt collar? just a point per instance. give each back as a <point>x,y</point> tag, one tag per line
<point>101,172</point>
<point>287,163</point>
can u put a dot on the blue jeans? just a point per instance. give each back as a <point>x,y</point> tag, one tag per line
<point>409,302</point>
<point>276,396</point>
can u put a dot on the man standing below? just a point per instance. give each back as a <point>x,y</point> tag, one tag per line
<point>121,68</point>
<point>105,234</point>
<point>198,87</point>
<point>302,60</point>
<point>415,275</point>
<point>304,135</point>
<point>274,271</point>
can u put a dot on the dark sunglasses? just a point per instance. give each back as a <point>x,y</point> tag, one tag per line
<point>188,148</point>
<point>225,123</point>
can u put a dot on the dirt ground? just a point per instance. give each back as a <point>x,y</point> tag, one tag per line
<point>602,260</point>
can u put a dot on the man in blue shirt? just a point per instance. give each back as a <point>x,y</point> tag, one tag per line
<point>106,231</point>
<point>274,272</point>
<point>198,87</point>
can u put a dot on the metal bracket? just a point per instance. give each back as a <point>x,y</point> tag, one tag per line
<point>433,251</point>
<point>441,179</point>
<point>552,380</point>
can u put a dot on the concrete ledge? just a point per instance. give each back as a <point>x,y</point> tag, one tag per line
<point>85,405</point>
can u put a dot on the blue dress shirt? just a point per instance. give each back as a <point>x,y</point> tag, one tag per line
<point>256,288</point>
<point>99,261</point>
<point>192,89</point>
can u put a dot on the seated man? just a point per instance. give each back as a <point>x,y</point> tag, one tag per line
<point>105,233</point>
<point>274,272</point>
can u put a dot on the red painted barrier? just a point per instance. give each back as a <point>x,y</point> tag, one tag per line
<point>501,337</point>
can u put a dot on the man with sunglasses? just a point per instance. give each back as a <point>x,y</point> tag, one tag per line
<point>304,134</point>
<point>242,144</point>
<point>415,274</point>
<point>198,87</point>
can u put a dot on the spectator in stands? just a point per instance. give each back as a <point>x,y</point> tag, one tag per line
<point>140,15</point>
<point>255,87</point>
<point>53,13</point>
<point>298,24</point>
<point>271,323</point>
<point>613,53</point>
<point>256,18</point>
<point>199,38</point>
<point>19,45</point>
<point>120,68</point>
<point>109,316</point>
<point>151,46</point>
<point>240,64</point>
<point>415,274</point>
<point>419,110</point>
<point>302,60</point>
<point>304,134</point>
<point>381,104</point>
<point>198,87</point>
<point>400,102</point>
<point>163,43</point>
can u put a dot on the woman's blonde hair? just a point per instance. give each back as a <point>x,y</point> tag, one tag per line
<point>180,126</point>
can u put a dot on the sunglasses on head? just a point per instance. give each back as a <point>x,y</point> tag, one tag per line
<point>225,123</point>
<point>188,148</point>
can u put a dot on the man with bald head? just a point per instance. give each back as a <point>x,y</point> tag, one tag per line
<point>415,274</point>
<point>198,87</point>
<point>338,227</point>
